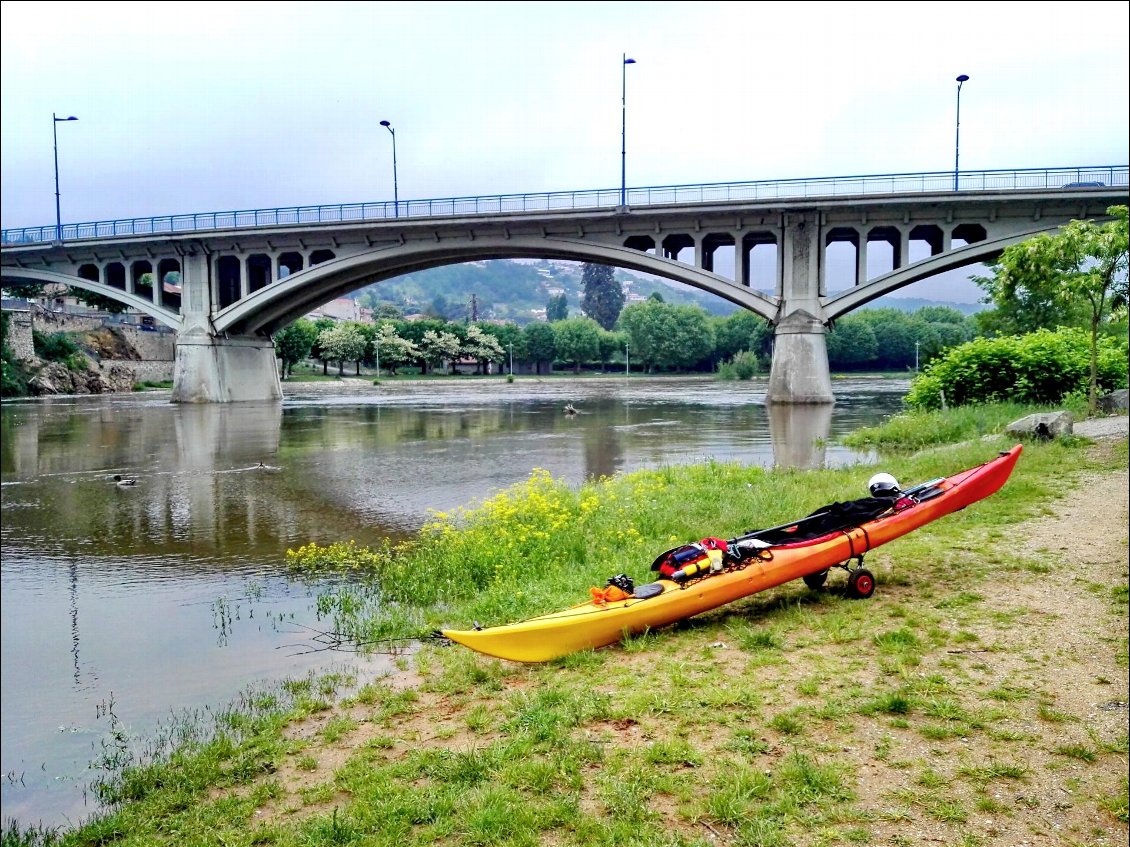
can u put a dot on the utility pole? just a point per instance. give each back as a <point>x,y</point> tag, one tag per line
<point>474,308</point>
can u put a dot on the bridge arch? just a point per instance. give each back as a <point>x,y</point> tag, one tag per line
<point>959,257</point>
<point>167,317</point>
<point>272,307</point>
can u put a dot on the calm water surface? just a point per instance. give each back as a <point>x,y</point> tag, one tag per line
<point>171,595</point>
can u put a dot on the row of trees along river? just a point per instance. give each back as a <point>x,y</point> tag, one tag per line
<point>653,336</point>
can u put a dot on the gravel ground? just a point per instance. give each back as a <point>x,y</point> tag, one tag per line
<point>1115,426</point>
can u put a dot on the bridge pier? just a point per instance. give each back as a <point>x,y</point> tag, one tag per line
<point>799,373</point>
<point>211,369</point>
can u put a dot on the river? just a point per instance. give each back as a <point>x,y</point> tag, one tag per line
<point>170,595</point>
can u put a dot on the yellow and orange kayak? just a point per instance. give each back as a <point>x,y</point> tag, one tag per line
<point>600,623</point>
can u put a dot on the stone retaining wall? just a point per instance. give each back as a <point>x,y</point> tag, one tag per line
<point>157,349</point>
<point>19,335</point>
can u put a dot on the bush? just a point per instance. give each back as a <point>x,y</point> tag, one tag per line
<point>1043,367</point>
<point>744,365</point>
<point>58,347</point>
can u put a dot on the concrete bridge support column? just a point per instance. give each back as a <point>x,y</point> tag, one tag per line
<point>799,373</point>
<point>225,370</point>
<point>211,368</point>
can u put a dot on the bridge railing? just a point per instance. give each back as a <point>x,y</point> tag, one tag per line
<point>836,186</point>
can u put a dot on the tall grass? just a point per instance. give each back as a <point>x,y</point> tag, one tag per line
<point>913,430</point>
<point>540,545</point>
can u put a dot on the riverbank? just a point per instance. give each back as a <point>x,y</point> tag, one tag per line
<point>980,694</point>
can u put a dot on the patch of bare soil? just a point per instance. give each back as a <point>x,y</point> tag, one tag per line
<point>109,343</point>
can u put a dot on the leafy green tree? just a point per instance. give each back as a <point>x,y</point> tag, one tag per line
<point>611,346</point>
<point>603,295</point>
<point>1083,265</point>
<point>577,340</point>
<point>24,290</point>
<point>851,344</point>
<point>557,309</point>
<point>387,311</point>
<point>939,315</point>
<point>743,330</point>
<point>666,337</point>
<point>540,341</point>
<point>293,343</point>
<point>440,308</point>
<point>510,339</point>
<point>895,336</point>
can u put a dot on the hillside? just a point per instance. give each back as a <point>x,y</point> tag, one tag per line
<point>518,290</point>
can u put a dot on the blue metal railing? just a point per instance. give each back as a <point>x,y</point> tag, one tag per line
<point>836,186</point>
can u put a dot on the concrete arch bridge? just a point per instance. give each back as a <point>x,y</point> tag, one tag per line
<point>245,275</point>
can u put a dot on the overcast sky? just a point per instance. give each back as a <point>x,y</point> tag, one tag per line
<point>193,107</point>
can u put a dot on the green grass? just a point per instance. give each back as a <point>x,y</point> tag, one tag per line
<point>746,726</point>
<point>914,430</point>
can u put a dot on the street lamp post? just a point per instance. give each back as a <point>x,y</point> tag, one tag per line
<point>624,129</point>
<point>627,365</point>
<point>957,133</point>
<point>55,121</point>
<point>512,358</point>
<point>395,189</point>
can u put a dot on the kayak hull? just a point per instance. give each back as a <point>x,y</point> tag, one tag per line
<point>591,625</point>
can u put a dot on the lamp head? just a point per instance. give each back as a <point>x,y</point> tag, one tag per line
<point>629,61</point>
<point>60,120</point>
<point>963,78</point>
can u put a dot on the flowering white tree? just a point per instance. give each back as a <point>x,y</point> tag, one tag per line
<point>342,343</point>
<point>438,347</point>
<point>482,346</point>
<point>392,350</point>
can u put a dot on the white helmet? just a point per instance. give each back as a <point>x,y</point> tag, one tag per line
<point>883,485</point>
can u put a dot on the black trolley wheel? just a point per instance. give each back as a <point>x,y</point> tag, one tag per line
<point>816,580</point>
<point>860,584</point>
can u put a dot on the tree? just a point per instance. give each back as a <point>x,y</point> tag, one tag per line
<point>24,290</point>
<point>1084,264</point>
<point>603,295</point>
<point>851,344</point>
<point>293,343</point>
<point>510,338</point>
<point>96,301</point>
<point>321,324</point>
<point>611,346</point>
<point>342,343</point>
<point>482,346</point>
<point>391,350</point>
<point>577,341</point>
<point>387,311</point>
<point>557,309</point>
<point>743,330</point>
<point>665,336</point>
<point>540,343</point>
<point>439,347</point>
